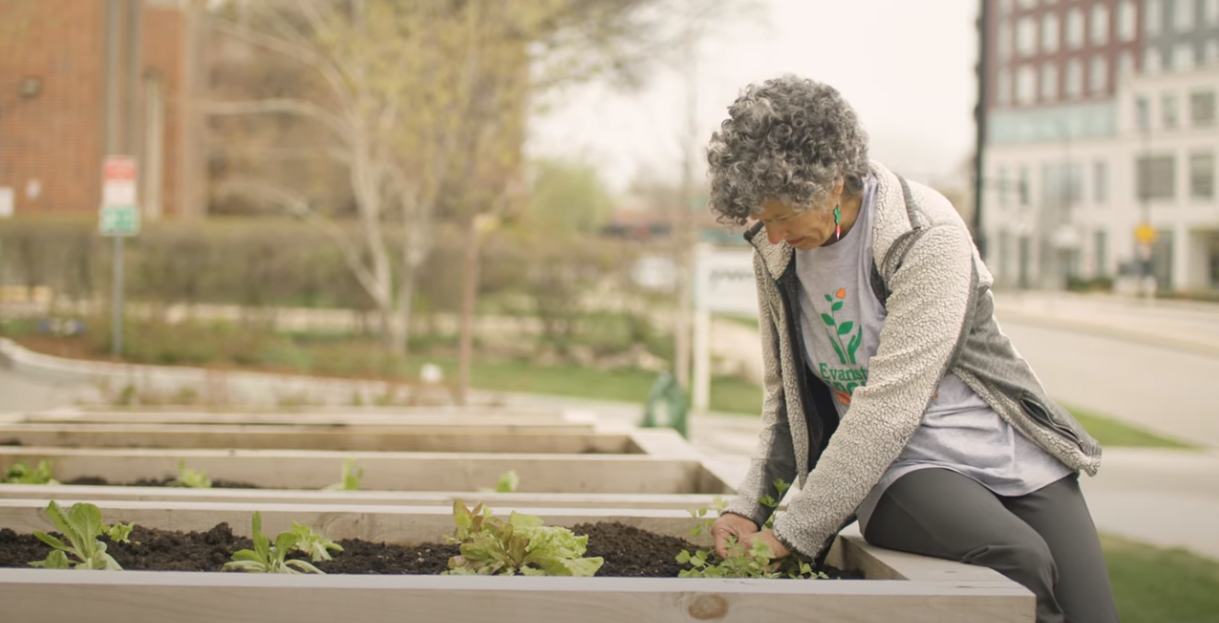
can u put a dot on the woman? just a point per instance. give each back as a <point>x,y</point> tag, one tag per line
<point>890,392</point>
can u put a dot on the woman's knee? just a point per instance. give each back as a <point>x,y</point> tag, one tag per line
<point>1027,560</point>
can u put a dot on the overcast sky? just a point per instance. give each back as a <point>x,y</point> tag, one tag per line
<point>905,65</point>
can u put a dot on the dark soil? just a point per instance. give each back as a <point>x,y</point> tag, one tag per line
<point>158,482</point>
<point>628,552</point>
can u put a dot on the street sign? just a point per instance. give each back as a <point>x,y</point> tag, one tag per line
<point>119,214</point>
<point>1145,233</point>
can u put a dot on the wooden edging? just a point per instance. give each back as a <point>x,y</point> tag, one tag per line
<point>388,471</point>
<point>907,588</point>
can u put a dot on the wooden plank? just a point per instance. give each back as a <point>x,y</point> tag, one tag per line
<point>390,471</point>
<point>316,419</point>
<point>564,438</point>
<point>678,501</point>
<point>137,597</point>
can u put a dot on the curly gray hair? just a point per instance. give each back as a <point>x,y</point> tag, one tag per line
<point>791,140</point>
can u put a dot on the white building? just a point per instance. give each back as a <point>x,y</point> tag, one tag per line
<point>1070,182</point>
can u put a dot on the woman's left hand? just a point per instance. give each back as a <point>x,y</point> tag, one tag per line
<point>778,550</point>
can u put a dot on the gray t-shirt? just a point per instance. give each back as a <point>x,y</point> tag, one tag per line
<point>841,320</point>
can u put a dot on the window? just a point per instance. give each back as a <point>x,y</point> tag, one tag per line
<point>1100,182</point>
<point>1005,42</point>
<point>1202,107</point>
<point>1182,57</point>
<point>1152,12</point>
<point>1026,36</point>
<point>1049,82</point>
<point>1003,184</point>
<point>1026,84</point>
<point>1003,88</point>
<point>1075,29</point>
<point>1062,184</point>
<point>1169,115</point>
<point>1022,186</point>
<point>1049,33</point>
<point>1210,12</point>
<point>1142,113</point>
<point>1098,75</point>
<point>1202,175</point>
<point>1074,78</point>
<point>1126,21</point>
<point>1125,63</point>
<point>1100,251</point>
<point>1100,24</point>
<point>1210,51</point>
<point>1151,61</point>
<point>1154,179</point>
<point>1183,14</point>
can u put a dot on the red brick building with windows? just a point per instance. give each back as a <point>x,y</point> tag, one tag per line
<point>79,76</point>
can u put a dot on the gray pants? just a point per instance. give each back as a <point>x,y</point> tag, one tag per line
<point>1045,540</point>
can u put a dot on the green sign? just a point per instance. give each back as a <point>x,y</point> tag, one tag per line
<point>120,220</point>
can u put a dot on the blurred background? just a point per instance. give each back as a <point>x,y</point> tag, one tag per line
<point>488,202</point>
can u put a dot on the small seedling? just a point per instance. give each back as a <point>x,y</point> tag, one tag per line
<point>20,473</point>
<point>758,562</point>
<point>81,526</point>
<point>507,483</point>
<point>350,480</point>
<point>314,543</point>
<point>190,477</point>
<point>267,557</point>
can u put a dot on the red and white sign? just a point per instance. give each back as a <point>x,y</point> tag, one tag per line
<point>118,181</point>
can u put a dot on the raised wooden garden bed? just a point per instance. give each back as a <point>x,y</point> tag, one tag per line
<point>390,471</point>
<point>899,587</point>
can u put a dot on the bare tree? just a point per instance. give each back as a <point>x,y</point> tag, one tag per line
<point>424,104</point>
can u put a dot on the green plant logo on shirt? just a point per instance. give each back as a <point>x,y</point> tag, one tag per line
<point>846,352</point>
<point>845,381</point>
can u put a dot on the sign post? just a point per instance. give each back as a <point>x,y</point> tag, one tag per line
<point>118,219</point>
<point>723,282</point>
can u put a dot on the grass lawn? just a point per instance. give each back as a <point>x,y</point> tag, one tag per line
<point>1113,433</point>
<point>1156,585</point>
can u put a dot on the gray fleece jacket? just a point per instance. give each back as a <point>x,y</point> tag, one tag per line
<point>937,293</point>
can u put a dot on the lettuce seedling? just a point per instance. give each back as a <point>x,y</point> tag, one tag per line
<point>267,557</point>
<point>314,543</point>
<point>350,480</point>
<point>491,546</point>
<point>190,477</point>
<point>20,473</point>
<point>81,526</point>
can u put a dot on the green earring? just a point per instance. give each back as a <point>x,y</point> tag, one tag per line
<point>837,222</point>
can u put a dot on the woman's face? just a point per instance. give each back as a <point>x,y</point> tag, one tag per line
<point>802,230</point>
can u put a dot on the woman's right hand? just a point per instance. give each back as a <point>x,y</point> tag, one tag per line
<point>728,525</point>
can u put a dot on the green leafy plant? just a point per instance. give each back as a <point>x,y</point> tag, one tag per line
<point>758,562</point>
<point>350,480</point>
<point>491,546</point>
<point>507,483</point>
<point>314,543</point>
<point>268,557</point>
<point>190,477</point>
<point>20,473</point>
<point>81,526</point>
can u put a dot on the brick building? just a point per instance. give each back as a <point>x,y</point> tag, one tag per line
<point>79,78</point>
<point>1101,122</point>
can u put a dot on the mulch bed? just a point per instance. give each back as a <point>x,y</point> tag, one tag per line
<point>628,552</point>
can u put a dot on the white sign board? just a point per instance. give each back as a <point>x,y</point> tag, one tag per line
<point>724,281</point>
<point>119,216</point>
